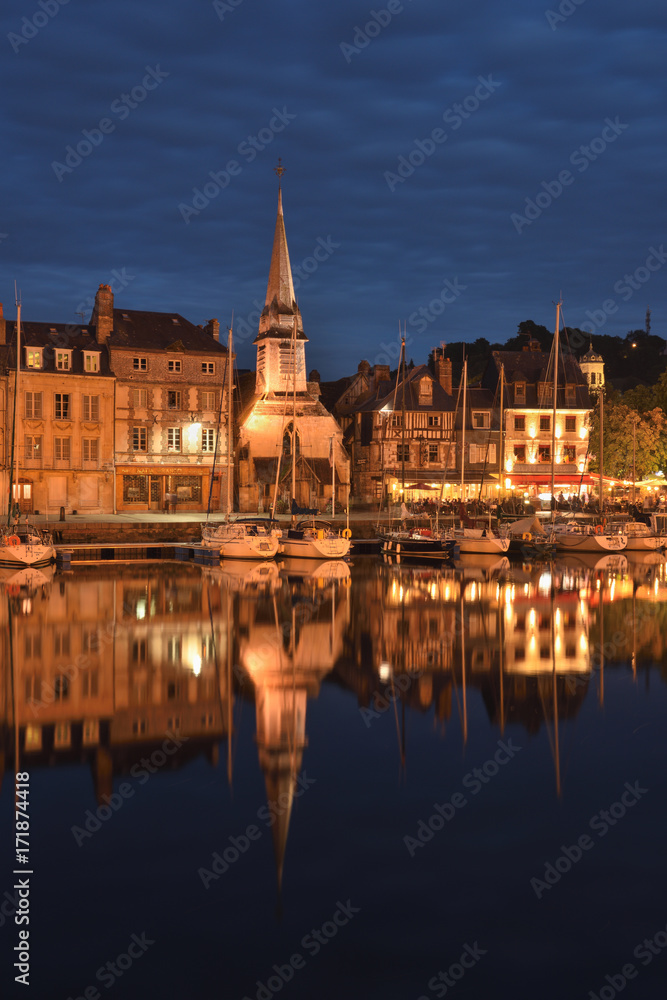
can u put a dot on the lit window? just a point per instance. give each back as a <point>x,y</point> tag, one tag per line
<point>33,357</point>
<point>91,362</point>
<point>174,439</point>
<point>140,364</point>
<point>139,439</point>
<point>174,366</point>
<point>208,440</point>
<point>63,359</point>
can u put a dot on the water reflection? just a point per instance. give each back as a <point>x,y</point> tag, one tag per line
<point>99,665</point>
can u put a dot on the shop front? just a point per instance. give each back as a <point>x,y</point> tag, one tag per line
<point>164,488</point>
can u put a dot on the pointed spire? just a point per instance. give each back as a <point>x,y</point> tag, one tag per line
<point>280,286</point>
<point>280,305</point>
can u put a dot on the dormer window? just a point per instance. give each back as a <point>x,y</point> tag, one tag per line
<point>33,357</point>
<point>520,392</point>
<point>425,392</point>
<point>91,361</point>
<point>481,418</point>
<point>570,394</point>
<point>64,361</point>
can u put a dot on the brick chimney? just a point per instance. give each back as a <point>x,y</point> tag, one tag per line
<point>443,369</point>
<point>3,327</point>
<point>102,316</point>
<point>213,327</point>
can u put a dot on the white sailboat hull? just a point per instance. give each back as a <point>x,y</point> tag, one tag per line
<point>237,541</point>
<point>481,541</point>
<point>573,541</point>
<point>26,554</point>
<point>316,548</point>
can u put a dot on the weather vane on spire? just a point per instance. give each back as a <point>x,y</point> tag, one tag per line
<point>279,170</point>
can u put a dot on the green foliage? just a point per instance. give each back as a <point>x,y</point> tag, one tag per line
<point>650,440</point>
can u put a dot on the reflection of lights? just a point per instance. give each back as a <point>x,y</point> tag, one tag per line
<point>400,593</point>
<point>447,592</point>
<point>544,583</point>
<point>533,642</point>
<point>583,643</point>
<point>557,644</point>
<point>612,588</point>
<point>384,671</point>
<point>141,609</point>
<point>557,616</point>
<point>26,605</point>
<point>532,617</point>
<point>196,665</point>
<point>434,591</point>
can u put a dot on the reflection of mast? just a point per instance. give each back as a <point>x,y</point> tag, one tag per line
<point>555,692</point>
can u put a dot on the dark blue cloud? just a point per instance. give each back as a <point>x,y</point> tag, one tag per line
<point>356,113</point>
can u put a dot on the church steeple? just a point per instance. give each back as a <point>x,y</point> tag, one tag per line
<point>280,306</point>
<point>281,365</point>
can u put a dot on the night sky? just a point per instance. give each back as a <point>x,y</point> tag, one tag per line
<point>412,138</point>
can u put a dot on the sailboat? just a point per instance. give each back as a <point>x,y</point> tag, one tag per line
<point>309,538</point>
<point>22,544</point>
<point>578,536</point>
<point>472,537</point>
<point>412,540</point>
<point>246,537</point>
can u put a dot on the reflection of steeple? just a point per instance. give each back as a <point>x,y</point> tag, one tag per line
<point>286,658</point>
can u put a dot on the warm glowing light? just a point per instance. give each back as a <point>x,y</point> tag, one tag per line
<point>583,643</point>
<point>196,665</point>
<point>557,430</point>
<point>582,432</point>
<point>508,484</point>
<point>532,618</point>
<point>141,609</point>
<point>509,465</point>
<point>532,432</point>
<point>384,671</point>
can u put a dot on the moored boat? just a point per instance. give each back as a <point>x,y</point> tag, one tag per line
<point>575,536</point>
<point>244,538</point>
<point>26,545</point>
<point>314,538</point>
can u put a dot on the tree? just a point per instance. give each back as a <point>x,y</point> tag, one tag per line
<point>650,441</point>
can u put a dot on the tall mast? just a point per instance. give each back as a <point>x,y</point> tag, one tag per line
<point>501,442</point>
<point>463,427</point>
<point>229,422</point>
<point>14,461</point>
<point>402,420</point>
<point>294,409</point>
<point>601,397</point>
<point>553,419</point>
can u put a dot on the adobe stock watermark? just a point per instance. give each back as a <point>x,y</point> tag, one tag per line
<point>645,952</point>
<point>248,148</point>
<point>312,943</point>
<point>443,981</point>
<point>324,248</point>
<point>565,10</point>
<point>453,116</point>
<point>108,973</point>
<point>450,292</point>
<point>121,107</point>
<point>268,814</point>
<point>474,781</point>
<point>581,158</point>
<point>31,26</point>
<point>363,36</point>
<point>625,288</point>
<point>601,823</point>
<point>141,771</point>
<point>222,7</point>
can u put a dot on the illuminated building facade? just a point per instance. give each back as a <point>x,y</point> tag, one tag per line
<point>285,422</point>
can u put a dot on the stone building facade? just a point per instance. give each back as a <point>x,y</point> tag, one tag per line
<point>64,415</point>
<point>171,408</point>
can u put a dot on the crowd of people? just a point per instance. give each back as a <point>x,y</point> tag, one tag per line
<point>515,506</point>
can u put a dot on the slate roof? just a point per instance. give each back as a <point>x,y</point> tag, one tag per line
<point>532,367</point>
<point>55,336</point>
<point>383,396</point>
<point>160,332</point>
